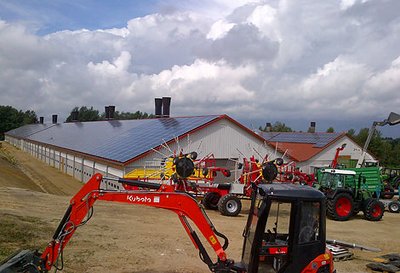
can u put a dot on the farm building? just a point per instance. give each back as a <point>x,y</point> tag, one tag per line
<point>315,150</point>
<point>116,147</point>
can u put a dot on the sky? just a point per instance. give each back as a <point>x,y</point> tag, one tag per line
<point>334,62</point>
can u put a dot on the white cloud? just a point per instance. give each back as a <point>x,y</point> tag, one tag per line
<point>277,59</point>
<point>383,85</point>
<point>118,66</point>
<point>219,29</point>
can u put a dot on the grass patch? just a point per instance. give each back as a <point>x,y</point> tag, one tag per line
<point>17,232</point>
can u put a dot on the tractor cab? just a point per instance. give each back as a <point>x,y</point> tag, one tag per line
<point>285,230</point>
<point>333,179</point>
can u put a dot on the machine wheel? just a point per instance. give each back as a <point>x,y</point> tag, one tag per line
<point>303,182</point>
<point>396,182</point>
<point>394,207</point>
<point>374,209</point>
<point>229,205</point>
<point>210,200</point>
<point>341,207</point>
<point>388,192</point>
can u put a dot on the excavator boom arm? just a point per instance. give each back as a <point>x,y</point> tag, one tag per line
<point>164,197</point>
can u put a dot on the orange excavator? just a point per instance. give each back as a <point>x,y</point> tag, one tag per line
<point>285,230</point>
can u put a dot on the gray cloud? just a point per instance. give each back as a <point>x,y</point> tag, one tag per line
<point>274,60</point>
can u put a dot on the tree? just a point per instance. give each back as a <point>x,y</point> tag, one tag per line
<point>11,118</point>
<point>277,127</point>
<point>330,130</point>
<point>128,115</point>
<point>84,114</point>
<point>351,132</point>
<point>89,114</point>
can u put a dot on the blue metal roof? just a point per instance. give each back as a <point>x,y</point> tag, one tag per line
<point>30,129</point>
<point>318,139</point>
<point>117,140</point>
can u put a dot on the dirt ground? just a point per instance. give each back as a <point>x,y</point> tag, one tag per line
<point>124,238</point>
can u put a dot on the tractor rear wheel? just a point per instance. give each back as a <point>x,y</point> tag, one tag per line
<point>210,200</point>
<point>341,207</point>
<point>373,210</point>
<point>394,207</point>
<point>229,205</point>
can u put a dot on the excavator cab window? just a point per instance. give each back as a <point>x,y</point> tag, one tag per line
<point>282,231</point>
<point>267,236</point>
<point>274,244</point>
<point>309,222</point>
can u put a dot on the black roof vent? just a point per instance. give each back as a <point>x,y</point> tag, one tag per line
<point>166,103</point>
<point>110,111</point>
<point>158,107</point>
<point>54,119</point>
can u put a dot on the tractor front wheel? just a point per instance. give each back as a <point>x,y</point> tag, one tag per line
<point>229,205</point>
<point>394,206</point>
<point>373,210</point>
<point>210,200</point>
<point>341,207</point>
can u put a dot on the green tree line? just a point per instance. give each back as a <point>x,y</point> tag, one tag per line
<point>85,113</point>
<point>11,118</point>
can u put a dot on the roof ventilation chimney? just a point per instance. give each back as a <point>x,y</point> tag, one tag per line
<point>54,119</point>
<point>74,116</point>
<point>41,120</point>
<point>110,111</point>
<point>107,111</point>
<point>268,127</point>
<point>166,103</point>
<point>158,105</point>
<point>312,127</point>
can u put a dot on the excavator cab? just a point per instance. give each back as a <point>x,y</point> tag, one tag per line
<point>285,231</point>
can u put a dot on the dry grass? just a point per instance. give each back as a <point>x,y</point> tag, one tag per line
<point>18,232</point>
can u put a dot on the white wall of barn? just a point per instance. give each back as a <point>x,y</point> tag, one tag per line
<point>324,159</point>
<point>70,163</point>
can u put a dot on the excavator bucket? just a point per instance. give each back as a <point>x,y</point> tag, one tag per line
<point>25,261</point>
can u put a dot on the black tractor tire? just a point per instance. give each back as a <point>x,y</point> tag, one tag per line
<point>396,182</point>
<point>229,205</point>
<point>210,200</point>
<point>374,209</point>
<point>388,192</point>
<point>341,207</point>
<point>394,206</point>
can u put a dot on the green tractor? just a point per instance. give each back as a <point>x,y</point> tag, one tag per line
<point>391,177</point>
<point>348,193</point>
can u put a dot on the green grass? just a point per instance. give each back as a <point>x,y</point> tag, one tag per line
<point>18,233</point>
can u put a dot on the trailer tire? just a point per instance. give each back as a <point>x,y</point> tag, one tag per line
<point>394,207</point>
<point>210,200</point>
<point>373,210</point>
<point>341,207</point>
<point>229,205</point>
